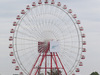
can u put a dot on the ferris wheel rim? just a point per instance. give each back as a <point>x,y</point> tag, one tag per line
<point>63,11</point>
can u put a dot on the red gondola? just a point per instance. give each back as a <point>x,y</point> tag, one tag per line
<point>70,10</point>
<point>14,23</point>
<point>83,35</point>
<point>28,7</point>
<point>52,2</point>
<point>11,54</point>
<point>74,16</point>
<point>10,38</point>
<point>33,4</point>
<point>58,4</point>
<point>21,73</point>
<point>12,31</point>
<point>82,57</point>
<point>10,46</point>
<point>84,50</point>
<point>17,68</point>
<point>78,22</point>
<point>64,7</point>
<point>73,74</point>
<point>22,12</point>
<point>18,17</point>
<point>80,64</point>
<point>40,2</point>
<point>77,70</point>
<point>84,42</point>
<point>46,1</point>
<point>13,61</point>
<point>81,29</point>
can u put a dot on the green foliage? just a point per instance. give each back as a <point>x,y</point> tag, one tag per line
<point>54,72</point>
<point>94,73</point>
<point>41,74</point>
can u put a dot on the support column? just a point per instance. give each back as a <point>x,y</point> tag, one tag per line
<point>45,65</point>
<point>61,64</point>
<point>51,63</point>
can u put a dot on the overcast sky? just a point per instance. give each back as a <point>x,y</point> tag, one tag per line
<point>88,12</point>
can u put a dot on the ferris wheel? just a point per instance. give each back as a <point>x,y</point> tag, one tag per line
<point>47,36</point>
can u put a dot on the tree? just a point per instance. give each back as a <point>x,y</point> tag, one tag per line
<point>54,72</point>
<point>94,73</point>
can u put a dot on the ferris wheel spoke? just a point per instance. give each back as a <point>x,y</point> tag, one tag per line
<point>38,32</point>
<point>66,46</point>
<point>66,64</point>
<point>57,14</point>
<point>34,18</point>
<point>24,49</point>
<point>70,51</point>
<point>32,24</point>
<point>71,41</point>
<point>68,56</point>
<point>70,59</point>
<point>62,63</point>
<point>56,27</point>
<point>28,60</point>
<point>24,43</point>
<point>26,39</point>
<point>32,30</point>
<point>26,53</point>
<point>26,29</point>
<point>69,37</point>
<point>26,34</point>
<point>59,28</point>
<point>27,24</point>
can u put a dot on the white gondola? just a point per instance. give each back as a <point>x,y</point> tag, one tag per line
<point>64,7</point>
<point>14,23</point>
<point>10,46</point>
<point>18,17</point>
<point>23,12</point>
<point>17,68</point>
<point>12,31</point>
<point>74,16</point>
<point>58,4</point>
<point>13,61</point>
<point>10,38</point>
<point>84,50</point>
<point>52,2</point>
<point>70,11</point>
<point>28,7</point>
<point>11,54</point>
<point>78,22</point>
